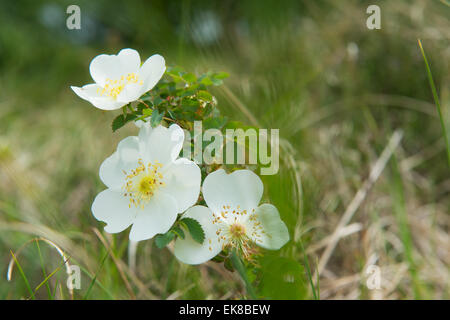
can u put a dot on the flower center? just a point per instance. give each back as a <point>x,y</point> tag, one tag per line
<point>232,229</point>
<point>114,87</point>
<point>142,183</point>
<point>237,231</point>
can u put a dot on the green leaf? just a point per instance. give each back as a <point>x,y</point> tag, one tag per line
<point>228,264</point>
<point>215,122</point>
<point>282,278</point>
<point>174,73</point>
<point>174,70</point>
<point>147,112</point>
<point>217,82</point>
<point>118,122</point>
<point>121,120</point>
<point>190,104</point>
<point>162,240</point>
<point>218,259</point>
<point>156,118</point>
<point>204,95</point>
<point>179,232</point>
<point>207,110</point>
<point>189,77</point>
<point>206,81</point>
<point>186,93</point>
<point>157,101</point>
<point>221,75</point>
<point>195,229</point>
<point>130,117</point>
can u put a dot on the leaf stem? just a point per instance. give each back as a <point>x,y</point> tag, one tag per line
<point>239,266</point>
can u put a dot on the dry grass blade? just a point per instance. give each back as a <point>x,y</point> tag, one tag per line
<point>125,271</point>
<point>236,102</point>
<point>58,239</point>
<point>359,197</point>
<point>116,262</point>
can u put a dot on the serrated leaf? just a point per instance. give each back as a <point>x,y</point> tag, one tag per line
<point>156,118</point>
<point>121,120</point>
<point>179,232</point>
<point>147,112</point>
<point>118,122</point>
<point>194,228</point>
<point>162,240</point>
<point>130,117</point>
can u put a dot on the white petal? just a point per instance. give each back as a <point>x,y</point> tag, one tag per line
<point>157,216</point>
<point>151,71</point>
<point>104,67</point>
<point>275,231</point>
<point>129,60</point>
<point>241,188</point>
<point>90,92</point>
<point>182,181</point>
<point>131,63</point>
<point>191,252</point>
<point>112,207</point>
<point>128,149</point>
<point>160,144</point>
<point>87,92</point>
<point>107,103</point>
<point>124,159</point>
<point>131,92</point>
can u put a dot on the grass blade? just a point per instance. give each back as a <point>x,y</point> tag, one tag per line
<point>436,100</point>
<point>308,272</point>
<point>49,276</point>
<point>23,276</point>
<point>95,277</point>
<point>401,215</point>
<point>44,273</point>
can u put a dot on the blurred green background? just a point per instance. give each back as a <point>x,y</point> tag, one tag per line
<point>336,90</point>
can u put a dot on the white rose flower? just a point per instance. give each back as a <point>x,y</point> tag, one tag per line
<point>233,218</point>
<point>120,79</point>
<point>148,185</point>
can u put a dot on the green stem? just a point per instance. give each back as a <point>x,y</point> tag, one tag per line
<point>239,266</point>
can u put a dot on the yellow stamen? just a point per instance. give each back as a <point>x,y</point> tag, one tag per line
<point>142,183</point>
<point>114,87</point>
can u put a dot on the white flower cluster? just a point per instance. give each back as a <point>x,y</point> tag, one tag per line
<point>148,185</point>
